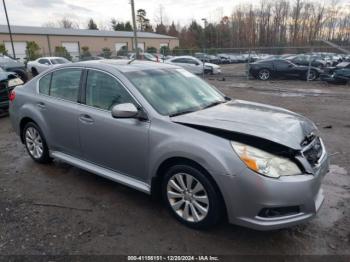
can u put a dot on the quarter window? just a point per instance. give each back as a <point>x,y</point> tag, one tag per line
<point>65,84</point>
<point>44,84</point>
<point>103,91</point>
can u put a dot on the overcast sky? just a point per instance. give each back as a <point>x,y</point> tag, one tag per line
<point>40,12</point>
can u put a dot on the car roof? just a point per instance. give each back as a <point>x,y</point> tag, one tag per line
<point>184,56</point>
<point>124,65</point>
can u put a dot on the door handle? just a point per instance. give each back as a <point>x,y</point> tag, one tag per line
<point>86,119</point>
<point>41,105</point>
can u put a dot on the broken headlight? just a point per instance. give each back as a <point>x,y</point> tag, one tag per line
<point>265,163</point>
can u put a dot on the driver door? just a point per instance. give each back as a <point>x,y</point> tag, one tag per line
<point>120,145</point>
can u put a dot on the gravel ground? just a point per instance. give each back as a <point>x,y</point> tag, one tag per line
<point>59,209</point>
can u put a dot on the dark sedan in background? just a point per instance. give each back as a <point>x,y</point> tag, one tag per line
<point>339,74</point>
<point>11,65</point>
<point>267,69</point>
<point>8,81</point>
<point>307,60</point>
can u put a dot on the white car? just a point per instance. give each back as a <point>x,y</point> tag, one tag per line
<point>194,65</point>
<point>43,63</point>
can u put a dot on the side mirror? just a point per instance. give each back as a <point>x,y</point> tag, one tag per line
<point>47,64</point>
<point>126,110</point>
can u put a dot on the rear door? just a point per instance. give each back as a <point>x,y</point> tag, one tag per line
<point>58,105</point>
<point>120,144</point>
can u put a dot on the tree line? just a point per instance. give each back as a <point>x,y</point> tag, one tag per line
<point>269,23</point>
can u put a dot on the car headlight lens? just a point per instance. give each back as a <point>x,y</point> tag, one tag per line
<point>14,82</point>
<point>265,163</point>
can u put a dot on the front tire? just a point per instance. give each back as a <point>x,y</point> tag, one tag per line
<point>35,143</point>
<point>264,74</point>
<point>191,197</point>
<point>34,72</point>
<point>311,76</point>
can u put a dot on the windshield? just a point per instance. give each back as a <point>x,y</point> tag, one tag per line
<point>174,91</point>
<point>56,61</point>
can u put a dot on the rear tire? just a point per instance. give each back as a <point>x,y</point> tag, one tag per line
<point>35,143</point>
<point>191,197</point>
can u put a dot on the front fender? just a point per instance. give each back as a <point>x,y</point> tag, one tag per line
<point>213,153</point>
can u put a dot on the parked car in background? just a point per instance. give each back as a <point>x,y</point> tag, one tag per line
<point>157,128</point>
<point>11,65</point>
<point>274,68</point>
<point>225,59</point>
<point>208,58</point>
<point>194,65</point>
<point>91,58</point>
<point>43,63</point>
<point>144,56</point>
<point>304,60</point>
<point>8,81</point>
<point>236,58</point>
<point>340,74</point>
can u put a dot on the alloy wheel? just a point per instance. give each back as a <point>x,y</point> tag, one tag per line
<point>187,197</point>
<point>311,75</point>
<point>34,143</point>
<point>264,74</point>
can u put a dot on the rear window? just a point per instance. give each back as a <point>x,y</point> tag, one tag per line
<point>65,84</point>
<point>57,61</point>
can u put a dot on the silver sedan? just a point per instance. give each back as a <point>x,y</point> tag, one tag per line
<point>162,130</point>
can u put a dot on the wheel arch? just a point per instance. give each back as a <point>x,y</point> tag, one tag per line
<point>172,161</point>
<point>24,121</point>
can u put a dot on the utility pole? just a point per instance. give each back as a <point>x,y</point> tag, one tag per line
<point>135,29</point>
<point>8,24</point>
<point>204,45</point>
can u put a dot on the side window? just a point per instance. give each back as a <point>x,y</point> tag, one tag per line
<point>104,91</point>
<point>65,84</point>
<point>44,61</point>
<point>44,84</point>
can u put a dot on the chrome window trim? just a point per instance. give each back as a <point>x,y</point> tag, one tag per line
<point>51,72</point>
<point>81,104</point>
<point>139,105</point>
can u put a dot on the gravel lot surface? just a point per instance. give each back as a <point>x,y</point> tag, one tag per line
<point>60,209</point>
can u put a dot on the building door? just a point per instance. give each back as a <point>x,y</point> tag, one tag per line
<point>73,49</point>
<point>20,49</point>
<point>141,46</point>
<point>121,47</point>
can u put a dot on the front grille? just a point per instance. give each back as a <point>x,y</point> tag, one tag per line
<point>313,151</point>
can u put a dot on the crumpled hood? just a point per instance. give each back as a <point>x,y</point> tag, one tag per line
<point>258,120</point>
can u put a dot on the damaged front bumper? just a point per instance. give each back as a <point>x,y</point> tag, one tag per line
<point>264,203</point>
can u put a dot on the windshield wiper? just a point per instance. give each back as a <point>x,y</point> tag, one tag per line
<point>182,112</point>
<point>214,104</point>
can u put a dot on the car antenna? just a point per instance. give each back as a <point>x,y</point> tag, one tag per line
<point>132,60</point>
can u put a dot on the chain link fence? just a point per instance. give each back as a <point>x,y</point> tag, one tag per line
<point>234,62</point>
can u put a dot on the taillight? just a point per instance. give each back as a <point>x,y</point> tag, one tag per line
<point>12,95</point>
